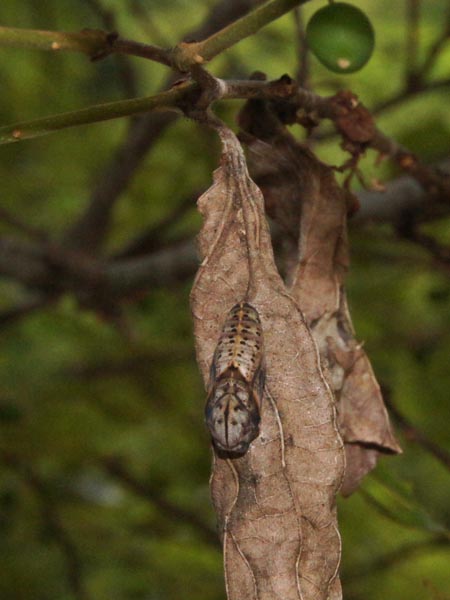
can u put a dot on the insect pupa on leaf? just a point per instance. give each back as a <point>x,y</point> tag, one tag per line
<point>236,381</point>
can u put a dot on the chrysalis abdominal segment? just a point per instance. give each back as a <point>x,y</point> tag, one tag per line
<point>236,381</point>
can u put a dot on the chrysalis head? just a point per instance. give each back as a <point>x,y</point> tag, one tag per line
<point>232,416</point>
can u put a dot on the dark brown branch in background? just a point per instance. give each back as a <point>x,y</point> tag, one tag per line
<point>54,526</point>
<point>413,434</point>
<point>23,309</point>
<point>352,120</point>
<point>302,76</point>
<point>155,53</point>
<point>32,232</point>
<point>22,261</point>
<point>125,67</point>
<point>378,506</point>
<point>153,238</point>
<point>416,74</point>
<point>105,15</point>
<point>355,123</point>
<point>408,94</point>
<point>401,196</point>
<point>131,365</point>
<point>172,511</point>
<point>144,17</point>
<point>437,46</point>
<point>47,273</point>
<point>50,271</point>
<point>412,42</point>
<point>408,229</point>
<point>89,232</point>
<point>166,267</point>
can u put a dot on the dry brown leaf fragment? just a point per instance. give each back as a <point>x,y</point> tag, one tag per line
<point>303,193</point>
<point>276,503</point>
<point>319,289</point>
<point>352,119</point>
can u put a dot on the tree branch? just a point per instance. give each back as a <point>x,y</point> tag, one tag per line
<point>29,230</point>
<point>175,513</point>
<point>302,76</point>
<point>94,114</point>
<point>437,46</point>
<point>163,268</point>
<point>23,309</point>
<point>99,44</point>
<point>53,522</point>
<point>94,43</point>
<point>412,42</point>
<point>176,98</point>
<point>50,270</point>
<point>413,434</point>
<point>153,238</point>
<point>90,228</point>
<point>125,68</point>
<point>190,54</point>
<point>408,93</point>
<point>145,19</point>
<point>23,261</point>
<point>133,364</point>
<point>348,114</point>
<point>89,42</point>
<point>401,196</point>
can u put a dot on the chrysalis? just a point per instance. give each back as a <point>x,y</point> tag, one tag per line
<point>236,381</point>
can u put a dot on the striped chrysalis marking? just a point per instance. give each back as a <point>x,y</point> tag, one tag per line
<point>236,382</point>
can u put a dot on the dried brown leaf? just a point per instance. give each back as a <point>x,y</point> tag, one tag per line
<point>352,119</point>
<point>319,289</point>
<point>318,207</point>
<point>276,503</point>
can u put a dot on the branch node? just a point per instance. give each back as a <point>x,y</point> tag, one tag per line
<point>186,55</point>
<point>109,41</point>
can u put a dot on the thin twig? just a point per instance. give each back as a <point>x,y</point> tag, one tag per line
<point>174,98</point>
<point>166,267</point>
<point>94,114</point>
<point>131,365</point>
<point>93,42</point>
<point>413,434</point>
<point>98,44</point>
<point>176,513</point>
<point>53,522</point>
<point>144,19</point>
<point>153,238</point>
<point>412,42</point>
<point>125,67</point>
<point>148,51</point>
<point>88,42</point>
<point>407,94</point>
<point>379,507</point>
<point>23,309</point>
<point>95,281</point>
<point>436,47</point>
<point>302,76</point>
<point>89,230</point>
<point>29,230</point>
<point>187,55</point>
<point>105,15</point>
<point>348,114</point>
<point>183,96</point>
<point>395,557</point>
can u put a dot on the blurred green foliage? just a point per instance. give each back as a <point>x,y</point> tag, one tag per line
<point>75,394</point>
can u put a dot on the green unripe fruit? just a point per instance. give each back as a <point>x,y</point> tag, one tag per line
<point>341,37</point>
